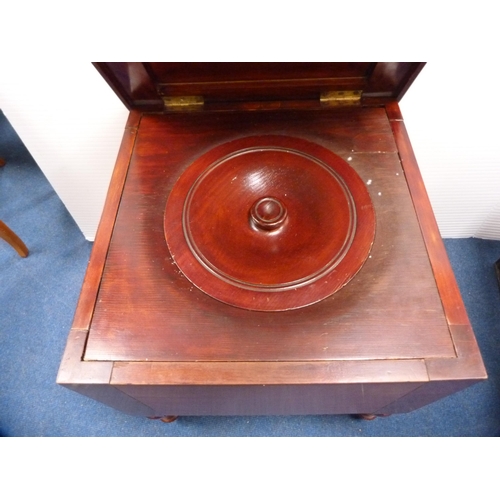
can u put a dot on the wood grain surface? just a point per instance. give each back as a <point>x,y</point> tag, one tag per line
<point>269,223</point>
<point>148,311</point>
<point>142,86</point>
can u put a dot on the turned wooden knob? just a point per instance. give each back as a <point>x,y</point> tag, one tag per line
<point>268,214</point>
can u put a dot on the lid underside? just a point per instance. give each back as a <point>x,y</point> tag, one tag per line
<point>143,85</point>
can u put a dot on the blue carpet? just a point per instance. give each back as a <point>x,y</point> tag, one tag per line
<point>38,297</point>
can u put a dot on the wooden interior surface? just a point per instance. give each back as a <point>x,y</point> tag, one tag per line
<point>141,85</point>
<point>147,311</point>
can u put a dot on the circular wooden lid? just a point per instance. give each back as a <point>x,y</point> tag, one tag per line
<point>269,223</point>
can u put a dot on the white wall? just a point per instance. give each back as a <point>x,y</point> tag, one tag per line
<point>72,123</point>
<point>452,120</point>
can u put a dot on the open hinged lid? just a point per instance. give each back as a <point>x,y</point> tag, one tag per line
<point>173,86</point>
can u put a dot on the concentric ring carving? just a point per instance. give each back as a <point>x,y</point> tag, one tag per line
<point>265,222</point>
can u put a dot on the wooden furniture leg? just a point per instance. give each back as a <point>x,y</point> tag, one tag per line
<point>370,416</point>
<point>168,419</point>
<point>13,239</point>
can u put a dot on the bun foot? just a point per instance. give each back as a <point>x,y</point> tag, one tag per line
<point>167,418</point>
<point>370,416</point>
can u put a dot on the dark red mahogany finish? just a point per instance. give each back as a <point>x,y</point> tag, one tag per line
<point>269,223</point>
<point>146,341</point>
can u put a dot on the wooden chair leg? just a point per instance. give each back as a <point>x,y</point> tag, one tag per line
<point>13,239</point>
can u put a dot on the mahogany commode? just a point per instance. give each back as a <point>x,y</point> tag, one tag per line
<point>267,247</point>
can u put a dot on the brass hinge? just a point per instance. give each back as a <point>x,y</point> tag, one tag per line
<point>341,98</point>
<point>183,104</point>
